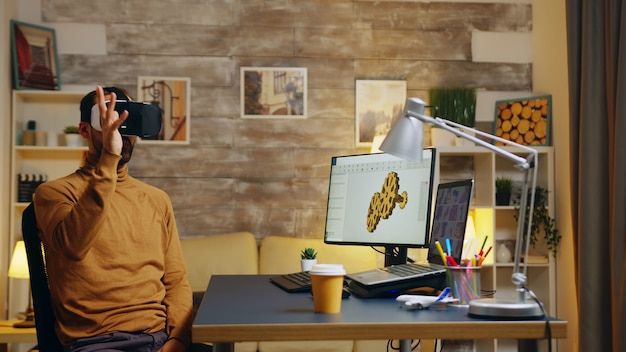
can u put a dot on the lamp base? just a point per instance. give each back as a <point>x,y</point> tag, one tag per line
<point>498,308</point>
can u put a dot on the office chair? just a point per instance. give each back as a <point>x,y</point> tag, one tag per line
<point>47,340</point>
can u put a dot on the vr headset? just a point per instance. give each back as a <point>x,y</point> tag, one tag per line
<point>144,120</point>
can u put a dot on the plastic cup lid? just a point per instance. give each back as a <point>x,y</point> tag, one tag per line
<point>327,269</point>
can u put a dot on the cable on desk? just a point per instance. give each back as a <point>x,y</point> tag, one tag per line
<point>392,348</point>
<point>548,327</point>
<point>395,252</point>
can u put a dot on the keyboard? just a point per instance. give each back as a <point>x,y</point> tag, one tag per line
<point>406,270</point>
<point>293,282</point>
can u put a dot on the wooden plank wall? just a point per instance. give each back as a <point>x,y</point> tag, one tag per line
<point>269,176</point>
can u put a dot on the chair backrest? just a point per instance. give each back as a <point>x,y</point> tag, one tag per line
<point>45,320</point>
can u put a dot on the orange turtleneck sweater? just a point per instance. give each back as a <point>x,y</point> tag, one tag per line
<point>113,254</point>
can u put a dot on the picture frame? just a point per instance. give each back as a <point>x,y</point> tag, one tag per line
<point>172,96</point>
<point>34,57</point>
<point>273,92</point>
<point>526,121</point>
<point>378,104</point>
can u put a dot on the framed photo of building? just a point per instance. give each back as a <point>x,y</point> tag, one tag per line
<point>172,96</point>
<point>526,121</point>
<point>273,92</point>
<point>34,57</point>
<point>378,104</point>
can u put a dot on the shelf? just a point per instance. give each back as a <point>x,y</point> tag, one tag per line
<point>498,222</point>
<point>27,148</point>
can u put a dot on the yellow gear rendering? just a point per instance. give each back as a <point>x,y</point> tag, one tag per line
<point>383,203</point>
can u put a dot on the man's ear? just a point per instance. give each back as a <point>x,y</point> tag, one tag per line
<point>84,129</point>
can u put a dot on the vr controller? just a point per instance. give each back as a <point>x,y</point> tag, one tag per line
<point>144,120</point>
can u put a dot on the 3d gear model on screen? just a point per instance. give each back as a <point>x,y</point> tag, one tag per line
<point>383,203</point>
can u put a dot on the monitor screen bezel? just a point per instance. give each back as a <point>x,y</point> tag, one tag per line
<point>426,243</point>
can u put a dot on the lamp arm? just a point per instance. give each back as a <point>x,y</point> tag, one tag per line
<point>528,165</point>
<point>451,127</point>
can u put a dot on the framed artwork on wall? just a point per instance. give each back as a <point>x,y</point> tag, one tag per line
<point>526,121</point>
<point>273,92</point>
<point>34,57</point>
<point>378,104</point>
<point>172,96</point>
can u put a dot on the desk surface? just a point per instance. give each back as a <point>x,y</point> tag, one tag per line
<point>9,334</point>
<point>250,308</point>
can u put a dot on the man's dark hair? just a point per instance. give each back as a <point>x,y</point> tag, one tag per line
<point>88,101</point>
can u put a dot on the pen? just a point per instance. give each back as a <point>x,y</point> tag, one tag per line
<point>449,247</point>
<point>451,261</point>
<point>471,248</point>
<point>483,246</point>
<point>480,262</point>
<point>441,253</point>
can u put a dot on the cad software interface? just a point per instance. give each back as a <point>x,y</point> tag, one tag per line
<point>379,199</point>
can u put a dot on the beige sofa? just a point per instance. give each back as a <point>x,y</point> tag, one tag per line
<point>239,253</point>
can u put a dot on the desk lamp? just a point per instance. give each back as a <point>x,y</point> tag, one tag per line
<point>18,269</point>
<point>405,140</point>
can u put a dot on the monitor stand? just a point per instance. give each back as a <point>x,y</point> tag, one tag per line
<point>395,255</point>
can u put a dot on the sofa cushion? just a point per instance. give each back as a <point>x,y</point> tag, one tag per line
<point>233,253</point>
<point>281,255</point>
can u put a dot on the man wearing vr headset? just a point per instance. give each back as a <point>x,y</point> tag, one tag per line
<point>117,276</point>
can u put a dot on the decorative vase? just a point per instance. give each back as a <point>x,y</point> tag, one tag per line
<point>503,254</point>
<point>307,264</point>
<point>462,142</point>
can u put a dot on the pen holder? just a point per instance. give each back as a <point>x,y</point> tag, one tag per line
<point>464,282</point>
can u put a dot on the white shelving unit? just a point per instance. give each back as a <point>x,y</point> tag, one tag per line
<point>499,224</point>
<point>52,111</point>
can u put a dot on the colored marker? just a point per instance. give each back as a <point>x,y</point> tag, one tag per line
<point>441,253</point>
<point>451,261</point>
<point>483,246</point>
<point>448,246</point>
<point>480,262</point>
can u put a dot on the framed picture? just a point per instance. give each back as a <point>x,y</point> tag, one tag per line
<point>378,104</point>
<point>273,92</point>
<point>172,96</point>
<point>34,57</point>
<point>525,121</point>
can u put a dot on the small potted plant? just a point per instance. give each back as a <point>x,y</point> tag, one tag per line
<point>308,258</point>
<point>504,186</point>
<point>456,105</point>
<point>72,138</point>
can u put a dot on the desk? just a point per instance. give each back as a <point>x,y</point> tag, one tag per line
<point>250,308</point>
<point>9,334</point>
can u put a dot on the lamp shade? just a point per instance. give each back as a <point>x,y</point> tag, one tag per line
<point>19,263</point>
<point>405,139</point>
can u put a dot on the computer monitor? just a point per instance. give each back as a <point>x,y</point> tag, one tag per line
<point>380,200</point>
